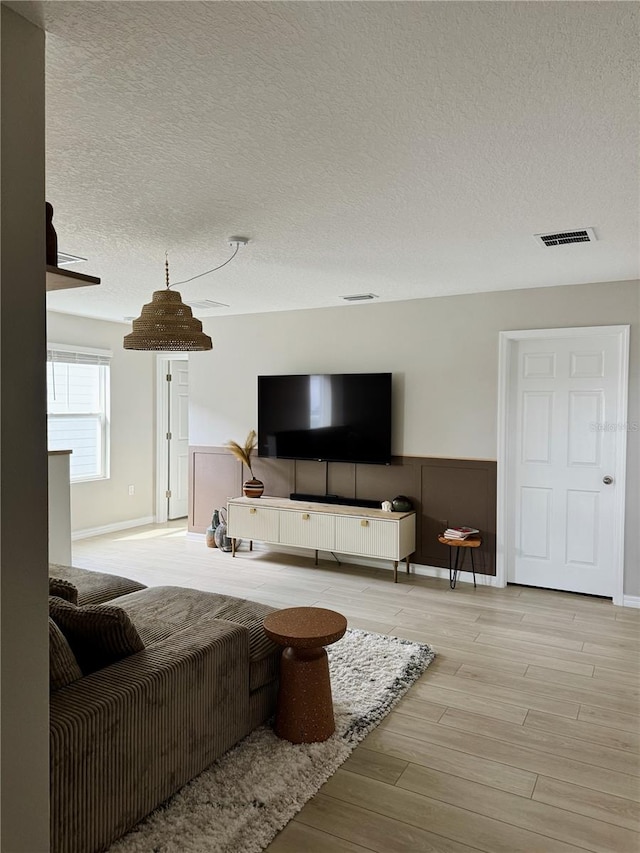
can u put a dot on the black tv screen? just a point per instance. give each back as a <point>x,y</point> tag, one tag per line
<point>332,417</point>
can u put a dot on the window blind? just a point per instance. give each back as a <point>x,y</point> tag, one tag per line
<point>78,406</point>
<point>58,353</point>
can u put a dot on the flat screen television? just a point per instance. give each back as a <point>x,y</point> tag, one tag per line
<point>328,417</point>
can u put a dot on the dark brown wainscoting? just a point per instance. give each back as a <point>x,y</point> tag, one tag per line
<point>444,492</point>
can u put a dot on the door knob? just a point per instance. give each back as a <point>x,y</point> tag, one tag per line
<point>607,480</point>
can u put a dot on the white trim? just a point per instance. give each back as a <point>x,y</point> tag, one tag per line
<point>507,341</point>
<point>369,562</point>
<point>88,532</point>
<point>162,464</point>
<point>162,401</point>
<point>103,415</point>
<point>620,475</point>
<point>631,601</point>
<point>104,353</point>
<point>502,509</point>
<point>191,536</point>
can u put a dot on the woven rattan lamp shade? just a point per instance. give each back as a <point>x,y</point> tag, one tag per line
<point>167,324</point>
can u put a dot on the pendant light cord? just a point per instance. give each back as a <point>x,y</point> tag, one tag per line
<point>194,277</point>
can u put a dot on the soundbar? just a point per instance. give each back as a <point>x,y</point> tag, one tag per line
<point>335,499</point>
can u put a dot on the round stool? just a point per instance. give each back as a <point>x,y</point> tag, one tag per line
<point>472,542</point>
<point>304,712</point>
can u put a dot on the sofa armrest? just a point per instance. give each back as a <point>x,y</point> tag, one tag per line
<point>125,738</point>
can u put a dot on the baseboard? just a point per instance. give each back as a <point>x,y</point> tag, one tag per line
<point>194,537</point>
<point>88,532</point>
<point>631,601</point>
<point>421,570</point>
<point>370,562</point>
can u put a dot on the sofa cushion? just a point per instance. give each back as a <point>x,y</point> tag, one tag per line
<point>98,634</point>
<point>94,587</point>
<point>63,667</point>
<point>63,589</point>
<point>160,611</point>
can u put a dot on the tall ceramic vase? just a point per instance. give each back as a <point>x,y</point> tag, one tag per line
<point>253,488</point>
<point>210,535</point>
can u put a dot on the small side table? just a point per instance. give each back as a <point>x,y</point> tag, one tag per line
<point>473,542</point>
<point>304,711</point>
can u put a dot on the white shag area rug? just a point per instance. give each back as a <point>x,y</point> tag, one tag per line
<point>246,797</point>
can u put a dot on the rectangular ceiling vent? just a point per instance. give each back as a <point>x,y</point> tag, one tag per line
<point>360,297</point>
<point>206,305</point>
<point>562,238</point>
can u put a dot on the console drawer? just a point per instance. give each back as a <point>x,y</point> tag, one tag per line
<point>370,537</point>
<point>308,529</point>
<point>253,522</point>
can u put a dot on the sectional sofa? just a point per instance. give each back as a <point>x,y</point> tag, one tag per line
<point>128,735</point>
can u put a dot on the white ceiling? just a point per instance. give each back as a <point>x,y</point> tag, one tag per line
<point>407,149</point>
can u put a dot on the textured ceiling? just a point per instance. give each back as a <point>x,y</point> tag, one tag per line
<point>407,149</point>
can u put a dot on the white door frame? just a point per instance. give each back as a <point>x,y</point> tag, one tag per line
<point>162,400</point>
<point>506,500</point>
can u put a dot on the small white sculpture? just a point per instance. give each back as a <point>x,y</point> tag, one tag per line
<point>386,506</point>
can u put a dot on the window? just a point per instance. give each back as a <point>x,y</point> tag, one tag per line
<point>78,408</point>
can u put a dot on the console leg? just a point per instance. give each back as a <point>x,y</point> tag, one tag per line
<point>233,547</point>
<point>395,571</point>
<point>251,544</point>
<point>407,562</point>
<point>316,557</point>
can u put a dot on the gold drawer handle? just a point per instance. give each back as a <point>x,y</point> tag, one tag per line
<point>252,510</point>
<point>305,516</point>
<point>364,523</point>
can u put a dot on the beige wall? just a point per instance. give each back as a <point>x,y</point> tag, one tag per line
<point>444,356</point>
<point>24,661</point>
<point>98,503</point>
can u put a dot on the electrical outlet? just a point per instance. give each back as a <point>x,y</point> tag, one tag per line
<point>132,490</point>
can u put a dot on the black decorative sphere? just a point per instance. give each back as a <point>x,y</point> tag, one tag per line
<point>401,503</point>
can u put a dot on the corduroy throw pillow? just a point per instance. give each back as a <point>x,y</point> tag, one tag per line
<point>98,634</point>
<point>63,589</point>
<point>63,667</point>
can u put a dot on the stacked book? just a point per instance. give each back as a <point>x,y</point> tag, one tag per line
<point>460,532</point>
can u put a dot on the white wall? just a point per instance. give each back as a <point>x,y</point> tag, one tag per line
<point>443,353</point>
<point>98,503</point>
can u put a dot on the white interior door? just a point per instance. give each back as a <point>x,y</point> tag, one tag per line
<point>178,439</point>
<point>568,414</point>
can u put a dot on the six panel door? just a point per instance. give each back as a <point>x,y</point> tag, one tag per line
<point>566,404</point>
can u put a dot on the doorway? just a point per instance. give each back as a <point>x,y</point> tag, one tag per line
<point>562,414</point>
<point>172,459</point>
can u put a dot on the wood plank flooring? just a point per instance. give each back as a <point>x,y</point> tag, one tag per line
<point>523,735</point>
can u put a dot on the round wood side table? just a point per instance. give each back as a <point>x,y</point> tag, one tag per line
<point>472,542</point>
<point>304,712</point>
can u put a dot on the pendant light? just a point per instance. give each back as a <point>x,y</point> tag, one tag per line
<point>166,324</point>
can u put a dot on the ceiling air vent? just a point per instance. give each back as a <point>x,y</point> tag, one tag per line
<point>206,305</point>
<point>360,297</point>
<point>561,238</point>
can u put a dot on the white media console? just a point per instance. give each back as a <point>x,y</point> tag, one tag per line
<point>324,527</point>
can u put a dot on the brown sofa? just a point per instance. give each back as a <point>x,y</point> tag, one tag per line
<point>124,738</point>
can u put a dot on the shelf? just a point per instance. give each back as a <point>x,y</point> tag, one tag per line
<point>59,278</point>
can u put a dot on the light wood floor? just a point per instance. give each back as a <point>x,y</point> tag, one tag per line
<point>523,734</point>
